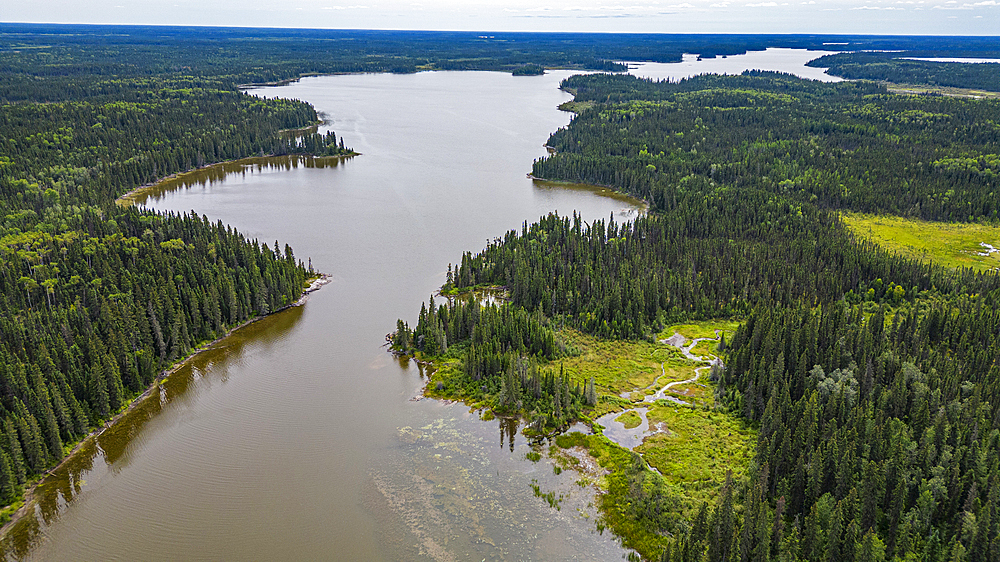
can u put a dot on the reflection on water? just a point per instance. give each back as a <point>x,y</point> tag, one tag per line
<point>217,173</point>
<point>114,444</point>
<point>791,61</point>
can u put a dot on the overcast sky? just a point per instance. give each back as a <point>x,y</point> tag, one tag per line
<point>936,17</point>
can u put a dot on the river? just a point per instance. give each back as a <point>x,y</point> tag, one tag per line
<point>299,437</point>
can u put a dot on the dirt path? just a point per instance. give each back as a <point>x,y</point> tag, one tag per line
<point>677,340</point>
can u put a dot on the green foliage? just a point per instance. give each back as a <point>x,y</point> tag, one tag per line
<point>97,301</point>
<point>846,145</point>
<point>629,420</point>
<point>697,447</point>
<point>529,70</point>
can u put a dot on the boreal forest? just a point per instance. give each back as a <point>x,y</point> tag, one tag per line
<point>869,380</point>
<point>872,380</point>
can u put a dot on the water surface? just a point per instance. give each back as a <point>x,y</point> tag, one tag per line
<point>955,59</point>
<point>791,61</point>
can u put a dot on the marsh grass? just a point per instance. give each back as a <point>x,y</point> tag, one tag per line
<point>947,244</point>
<point>701,329</point>
<point>701,445</point>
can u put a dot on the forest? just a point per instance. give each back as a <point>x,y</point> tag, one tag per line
<point>744,176</point>
<point>873,380</point>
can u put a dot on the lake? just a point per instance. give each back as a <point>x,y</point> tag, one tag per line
<point>299,437</point>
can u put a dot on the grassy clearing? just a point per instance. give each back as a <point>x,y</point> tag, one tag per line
<point>697,448</point>
<point>947,244</point>
<point>698,394</point>
<point>703,329</point>
<point>706,349</point>
<point>910,89</point>
<point>692,447</point>
<point>620,366</point>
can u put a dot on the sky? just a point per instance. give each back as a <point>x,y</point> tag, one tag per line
<point>905,17</point>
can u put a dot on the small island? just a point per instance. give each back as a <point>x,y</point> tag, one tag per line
<point>529,70</point>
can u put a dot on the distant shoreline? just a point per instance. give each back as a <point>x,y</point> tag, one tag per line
<point>129,198</point>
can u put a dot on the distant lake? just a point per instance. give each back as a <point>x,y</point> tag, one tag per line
<point>953,59</point>
<point>791,61</point>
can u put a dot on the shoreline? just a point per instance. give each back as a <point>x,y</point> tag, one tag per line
<point>603,190</point>
<point>128,198</point>
<point>28,500</point>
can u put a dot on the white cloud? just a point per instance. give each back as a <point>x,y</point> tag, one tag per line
<point>720,5</point>
<point>762,5</point>
<point>684,5</point>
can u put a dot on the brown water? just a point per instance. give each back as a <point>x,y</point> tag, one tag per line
<point>300,438</point>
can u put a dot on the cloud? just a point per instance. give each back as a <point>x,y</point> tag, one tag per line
<point>762,5</point>
<point>684,5</point>
<point>877,8</point>
<point>719,5</point>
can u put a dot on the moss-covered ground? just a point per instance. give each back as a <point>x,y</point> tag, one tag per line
<point>696,447</point>
<point>947,244</point>
<point>702,329</point>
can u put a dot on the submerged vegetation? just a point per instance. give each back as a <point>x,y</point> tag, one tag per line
<point>856,416</point>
